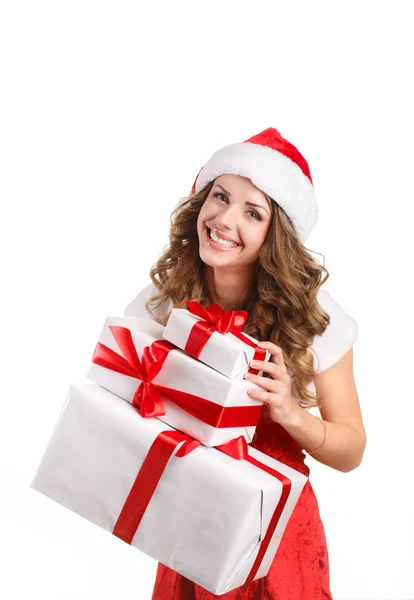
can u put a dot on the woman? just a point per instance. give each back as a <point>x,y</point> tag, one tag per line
<point>238,241</point>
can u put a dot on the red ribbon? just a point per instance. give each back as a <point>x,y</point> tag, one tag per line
<point>151,472</point>
<point>147,480</point>
<point>147,395</point>
<point>222,321</point>
<point>238,449</point>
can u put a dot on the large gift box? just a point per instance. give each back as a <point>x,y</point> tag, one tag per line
<point>133,361</point>
<point>216,516</point>
<point>215,336</point>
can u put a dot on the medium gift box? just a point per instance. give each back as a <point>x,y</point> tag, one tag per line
<point>133,361</point>
<point>215,337</point>
<point>214,515</point>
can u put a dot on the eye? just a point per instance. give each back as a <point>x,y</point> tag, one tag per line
<point>259,218</point>
<point>217,194</point>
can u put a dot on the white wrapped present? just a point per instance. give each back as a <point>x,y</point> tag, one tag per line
<point>215,337</point>
<point>212,518</point>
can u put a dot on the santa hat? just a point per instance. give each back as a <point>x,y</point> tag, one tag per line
<point>276,167</point>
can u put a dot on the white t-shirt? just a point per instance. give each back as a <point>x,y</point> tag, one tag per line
<point>339,336</point>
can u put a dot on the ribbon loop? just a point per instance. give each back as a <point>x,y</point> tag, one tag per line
<point>222,320</point>
<point>236,448</point>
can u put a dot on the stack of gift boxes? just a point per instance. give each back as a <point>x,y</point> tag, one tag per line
<point>156,450</point>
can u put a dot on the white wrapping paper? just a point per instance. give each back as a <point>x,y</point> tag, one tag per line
<point>179,372</point>
<point>208,512</point>
<point>224,352</point>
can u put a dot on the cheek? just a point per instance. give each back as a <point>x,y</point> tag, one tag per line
<point>200,220</point>
<point>203,216</point>
<point>254,239</point>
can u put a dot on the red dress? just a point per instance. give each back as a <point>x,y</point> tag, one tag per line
<point>300,569</point>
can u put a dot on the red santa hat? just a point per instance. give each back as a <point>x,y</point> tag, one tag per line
<point>273,165</point>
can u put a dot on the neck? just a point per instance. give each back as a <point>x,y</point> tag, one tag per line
<point>229,289</point>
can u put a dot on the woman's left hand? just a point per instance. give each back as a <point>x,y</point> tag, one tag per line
<point>278,386</point>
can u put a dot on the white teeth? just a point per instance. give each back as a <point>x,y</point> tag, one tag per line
<point>221,242</point>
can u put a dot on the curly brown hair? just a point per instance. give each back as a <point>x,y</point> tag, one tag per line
<point>282,302</point>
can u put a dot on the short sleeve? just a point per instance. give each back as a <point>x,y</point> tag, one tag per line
<point>339,336</point>
<point>136,308</point>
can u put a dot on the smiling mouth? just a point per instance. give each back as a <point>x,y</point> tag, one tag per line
<point>217,245</point>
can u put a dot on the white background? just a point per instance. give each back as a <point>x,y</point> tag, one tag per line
<point>108,111</point>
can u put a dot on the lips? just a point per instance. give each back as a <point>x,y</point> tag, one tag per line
<point>222,236</point>
<point>220,248</point>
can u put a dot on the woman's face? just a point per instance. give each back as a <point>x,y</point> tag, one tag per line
<point>228,213</point>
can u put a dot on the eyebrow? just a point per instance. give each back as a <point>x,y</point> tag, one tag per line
<point>248,203</point>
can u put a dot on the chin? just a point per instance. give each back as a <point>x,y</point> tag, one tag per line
<point>218,262</point>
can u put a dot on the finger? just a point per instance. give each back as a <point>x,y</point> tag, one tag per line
<point>276,352</point>
<point>266,366</point>
<point>265,382</point>
<point>263,396</point>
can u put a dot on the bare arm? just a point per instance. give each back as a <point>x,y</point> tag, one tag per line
<point>345,433</point>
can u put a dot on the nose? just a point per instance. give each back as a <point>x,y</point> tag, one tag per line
<point>226,218</point>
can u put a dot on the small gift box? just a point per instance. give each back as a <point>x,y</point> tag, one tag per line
<point>215,337</point>
<point>216,516</point>
<point>132,361</point>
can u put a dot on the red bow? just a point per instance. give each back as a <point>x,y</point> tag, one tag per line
<point>222,321</point>
<point>147,397</point>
